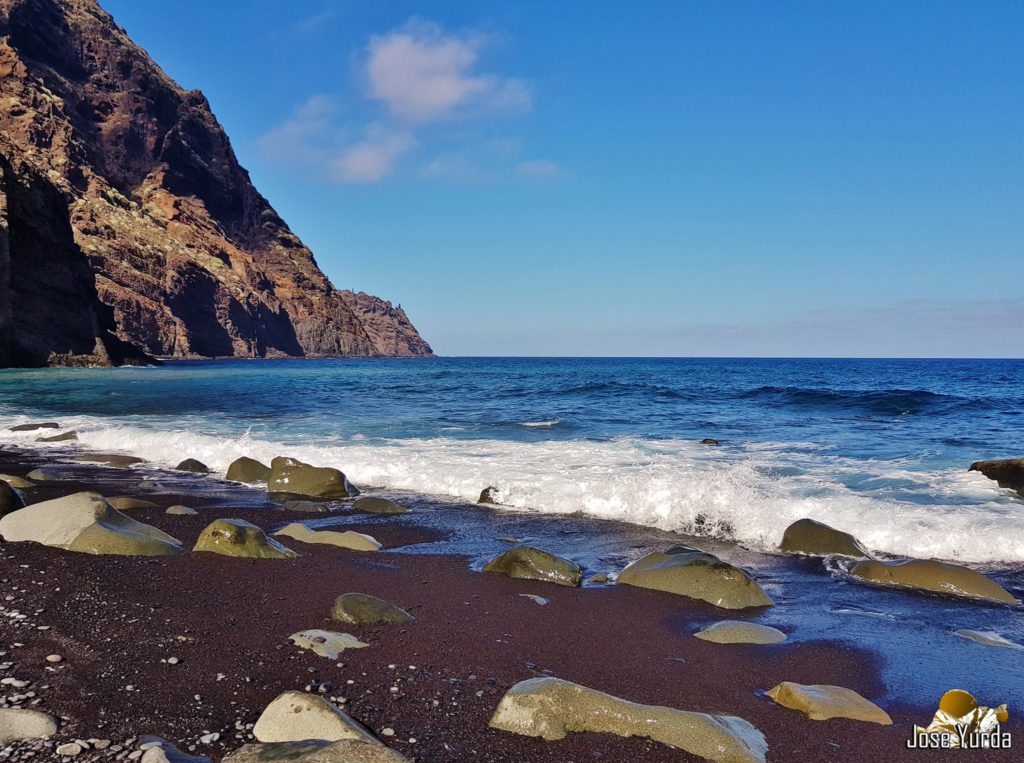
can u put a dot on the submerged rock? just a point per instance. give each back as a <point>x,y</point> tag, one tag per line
<point>194,466</point>
<point>529,563</point>
<point>127,502</point>
<point>308,507</point>
<point>348,539</point>
<point>110,459</point>
<point>709,441</point>
<point>246,469</point>
<point>821,702</point>
<point>988,638</point>
<point>1007,472</point>
<point>46,474</point>
<point>64,437</point>
<point>936,577</point>
<point>326,643</point>
<point>488,495</point>
<point>552,708</point>
<point>10,499</point>
<point>808,536</point>
<point>181,510</point>
<point>312,751</point>
<point>289,475</point>
<point>32,427</point>
<point>363,609</point>
<point>739,632</point>
<point>295,716</point>
<point>19,723</point>
<point>86,523</point>
<point>376,505</point>
<point>688,571</point>
<point>599,579</point>
<point>236,537</point>
<point>19,483</point>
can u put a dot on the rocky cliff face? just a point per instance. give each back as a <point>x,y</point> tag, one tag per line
<point>164,241</point>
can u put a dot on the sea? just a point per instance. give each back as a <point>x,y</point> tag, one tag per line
<point>601,460</point>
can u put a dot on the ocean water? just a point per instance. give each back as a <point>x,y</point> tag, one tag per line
<point>879,448</point>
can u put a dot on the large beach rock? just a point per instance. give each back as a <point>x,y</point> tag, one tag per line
<point>236,537</point>
<point>19,483</point>
<point>63,437</point>
<point>127,503</point>
<point>326,643</point>
<point>35,426</point>
<point>343,751</point>
<point>86,523</point>
<point>295,716</point>
<point>936,577</point>
<point>246,469</point>
<point>110,459</point>
<point>376,505</point>
<point>488,495</point>
<point>289,475</point>
<point>1008,472</point>
<point>552,708</point>
<point>807,536</point>
<point>530,563</point>
<point>739,632</point>
<point>194,466</point>
<point>821,702</point>
<point>688,571</point>
<point>10,499</point>
<point>19,723</point>
<point>363,609</point>
<point>348,539</point>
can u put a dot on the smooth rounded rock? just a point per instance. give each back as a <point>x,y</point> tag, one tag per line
<point>376,505</point>
<point>193,465</point>
<point>289,475</point>
<point>342,751</point>
<point>739,632</point>
<point>821,702</point>
<point>808,536</point>
<point>295,716</point>
<point>363,609</point>
<point>934,577</point>
<point>348,539</point>
<point>181,510</point>
<point>46,474</point>
<point>529,563</point>
<point>19,723</point>
<point>157,750</point>
<point>688,571</point>
<point>19,483</point>
<point>249,470</point>
<point>127,502</point>
<point>236,537</point>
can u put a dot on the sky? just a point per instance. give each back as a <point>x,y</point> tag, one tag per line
<point>649,178</point>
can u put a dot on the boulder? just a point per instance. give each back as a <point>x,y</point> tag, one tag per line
<point>34,426</point>
<point>181,510</point>
<point>599,579</point>
<point>488,495</point>
<point>110,459</point>
<point>348,539</point>
<point>86,523</point>
<point>343,751</point>
<point>289,475</point>
<point>326,643</point>
<point>935,577</point>
<point>807,536</point>
<point>821,702</point>
<point>194,466</point>
<point>1008,472</point>
<point>158,750</point>
<point>739,632</point>
<point>46,474</point>
<point>709,441</point>
<point>63,437</point>
<point>19,483</point>
<point>363,609</point>
<point>376,505</point>
<point>248,470</point>
<point>528,563</point>
<point>236,537</point>
<point>10,499</point>
<point>307,507</point>
<point>127,502</point>
<point>295,716</point>
<point>19,723</point>
<point>551,708</point>
<point>688,571</point>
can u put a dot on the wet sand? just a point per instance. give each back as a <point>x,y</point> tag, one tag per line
<point>116,620</point>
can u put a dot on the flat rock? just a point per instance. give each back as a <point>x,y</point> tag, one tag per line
<point>110,459</point>
<point>326,643</point>
<point>159,750</point>
<point>363,609</point>
<point>376,505</point>
<point>343,751</point>
<point>348,539</point>
<point>296,716</point>
<point>807,536</point>
<point>289,475</point>
<point>739,632</point>
<point>127,502</point>
<point>181,510</point>
<point>63,437</point>
<point>1007,472</point>
<point>935,577</point>
<point>529,563</point>
<point>688,571</point>
<point>32,427</point>
<point>46,474</point>
<point>236,537</point>
<point>19,723</point>
<point>10,499</point>
<point>821,702</point>
<point>193,465</point>
<point>249,470</point>
<point>86,523</point>
<point>988,638</point>
<point>17,482</point>
<point>551,708</point>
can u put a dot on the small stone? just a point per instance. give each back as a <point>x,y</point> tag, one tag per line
<point>54,658</point>
<point>69,750</point>
<point>173,660</point>
<point>209,738</point>
<point>388,732</point>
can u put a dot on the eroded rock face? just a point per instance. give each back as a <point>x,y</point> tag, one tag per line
<point>691,572</point>
<point>528,563</point>
<point>1008,472</point>
<point>86,523</point>
<point>289,475</point>
<point>236,537</point>
<point>296,716</point>
<point>363,609</point>
<point>552,708</point>
<point>343,751</point>
<point>376,505</point>
<point>936,577</point>
<point>126,188</point>
<point>348,539</point>
<point>807,536</point>
<point>246,469</point>
<point>821,702</point>
<point>739,632</point>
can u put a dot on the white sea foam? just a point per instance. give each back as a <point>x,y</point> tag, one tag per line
<point>750,494</point>
<point>540,424</point>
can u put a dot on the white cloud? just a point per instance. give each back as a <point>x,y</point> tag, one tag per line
<point>301,139</point>
<point>539,169</point>
<point>372,159</point>
<point>424,74</point>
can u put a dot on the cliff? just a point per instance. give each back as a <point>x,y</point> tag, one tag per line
<point>153,236</point>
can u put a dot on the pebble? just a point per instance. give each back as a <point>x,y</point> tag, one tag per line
<point>173,660</point>
<point>388,732</point>
<point>209,738</point>
<point>69,750</point>
<point>54,658</point>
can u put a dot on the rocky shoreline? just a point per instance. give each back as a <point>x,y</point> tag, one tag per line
<point>193,647</point>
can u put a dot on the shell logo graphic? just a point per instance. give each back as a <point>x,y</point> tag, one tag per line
<point>962,723</point>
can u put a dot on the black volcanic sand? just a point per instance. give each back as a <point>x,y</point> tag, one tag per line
<point>116,620</point>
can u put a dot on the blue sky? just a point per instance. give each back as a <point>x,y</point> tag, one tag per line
<point>655,178</point>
